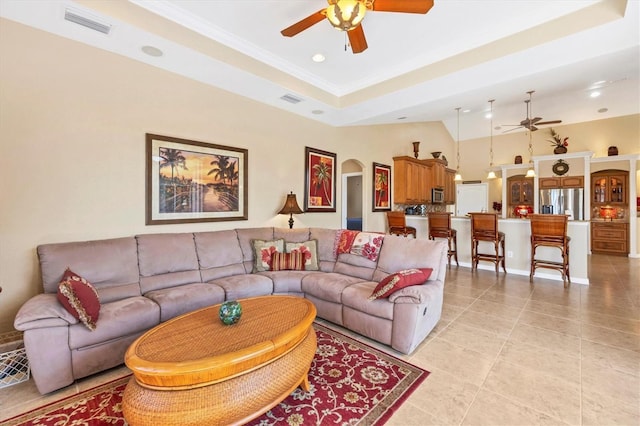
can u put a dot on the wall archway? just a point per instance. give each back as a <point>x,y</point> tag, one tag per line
<point>353,195</point>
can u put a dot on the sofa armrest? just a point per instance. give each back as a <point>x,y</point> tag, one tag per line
<point>43,310</point>
<point>417,294</point>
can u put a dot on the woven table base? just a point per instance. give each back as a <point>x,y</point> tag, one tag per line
<point>234,401</point>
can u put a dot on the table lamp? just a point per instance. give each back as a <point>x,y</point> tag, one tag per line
<point>290,207</point>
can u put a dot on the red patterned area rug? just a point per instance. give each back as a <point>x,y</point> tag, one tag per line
<point>351,383</point>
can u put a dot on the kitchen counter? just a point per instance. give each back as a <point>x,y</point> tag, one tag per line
<point>518,248</point>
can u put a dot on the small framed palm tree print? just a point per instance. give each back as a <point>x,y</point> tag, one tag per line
<point>381,187</point>
<point>190,181</point>
<point>320,181</point>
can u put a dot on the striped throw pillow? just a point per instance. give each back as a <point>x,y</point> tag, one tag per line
<point>287,261</point>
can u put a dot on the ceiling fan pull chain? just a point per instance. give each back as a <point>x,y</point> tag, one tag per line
<point>346,41</point>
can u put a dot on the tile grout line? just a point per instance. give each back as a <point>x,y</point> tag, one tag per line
<point>481,387</point>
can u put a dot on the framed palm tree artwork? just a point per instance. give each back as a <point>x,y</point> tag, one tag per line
<point>320,181</point>
<point>381,187</point>
<point>189,181</point>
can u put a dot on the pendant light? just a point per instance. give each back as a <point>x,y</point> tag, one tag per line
<point>530,172</point>
<point>492,174</point>
<point>458,177</point>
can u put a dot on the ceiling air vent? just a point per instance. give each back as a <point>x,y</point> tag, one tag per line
<point>75,17</point>
<point>291,99</point>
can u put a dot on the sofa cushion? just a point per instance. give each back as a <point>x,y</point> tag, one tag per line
<point>309,250</point>
<point>217,249</point>
<point>111,266</point>
<point>117,319</point>
<point>365,244</point>
<point>399,280</point>
<point>245,236</point>
<point>295,235</point>
<point>166,253</point>
<point>400,253</point>
<point>185,298</point>
<point>356,296</point>
<point>327,285</point>
<point>80,298</point>
<point>262,252</point>
<point>354,265</point>
<point>243,286</point>
<point>287,261</point>
<point>285,282</point>
<point>326,246</point>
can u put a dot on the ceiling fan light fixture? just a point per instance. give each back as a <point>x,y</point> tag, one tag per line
<point>346,15</point>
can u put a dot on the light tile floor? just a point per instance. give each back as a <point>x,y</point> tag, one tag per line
<point>507,352</point>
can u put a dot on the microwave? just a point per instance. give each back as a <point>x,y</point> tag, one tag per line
<point>437,195</point>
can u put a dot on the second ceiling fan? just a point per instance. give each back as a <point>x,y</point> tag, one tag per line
<point>530,123</point>
<point>347,15</point>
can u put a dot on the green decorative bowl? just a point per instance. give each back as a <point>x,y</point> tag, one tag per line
<point>230,312</point>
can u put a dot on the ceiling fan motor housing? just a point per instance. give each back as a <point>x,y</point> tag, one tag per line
<point>345,15</point>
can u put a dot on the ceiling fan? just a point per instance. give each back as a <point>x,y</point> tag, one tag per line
<point>347,15</point>
<point>530,123</point>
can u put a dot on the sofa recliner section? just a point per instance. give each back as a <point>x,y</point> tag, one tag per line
<point>145,280</point>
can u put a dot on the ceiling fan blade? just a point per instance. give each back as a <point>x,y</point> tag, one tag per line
<point>404,6</point>
<point>535,120</point>
<point>357,39</point>
<point>533,128</point>
<point>511,130</point>
<point>302,25</point>
<point>549,122</point>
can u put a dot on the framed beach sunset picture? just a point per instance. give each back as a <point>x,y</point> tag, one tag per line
<point>320,181</point>
<point>381,187</point>
<point>190,181</point>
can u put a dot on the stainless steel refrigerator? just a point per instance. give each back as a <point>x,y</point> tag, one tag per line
<point>569,201</point>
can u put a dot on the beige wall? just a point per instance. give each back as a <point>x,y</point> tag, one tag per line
<point>72,126</point>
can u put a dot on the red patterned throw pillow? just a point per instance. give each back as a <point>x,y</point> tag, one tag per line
<point>399,280</point>
<point>80,298</point>
<point>287,261</point>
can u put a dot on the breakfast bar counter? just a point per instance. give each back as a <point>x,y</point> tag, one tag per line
<point>518,247</point>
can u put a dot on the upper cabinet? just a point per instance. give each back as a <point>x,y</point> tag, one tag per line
<point>561,182</point>
<point>438,172</point>
<point>411,181</point>
<point>609,187</point>
<point>450,187</point>
<point>520,190</point>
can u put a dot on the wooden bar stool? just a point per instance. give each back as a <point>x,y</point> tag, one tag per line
<point>550,230</point>
<point>398,225</point>
<point>440,227</point>
<point>484,227</point>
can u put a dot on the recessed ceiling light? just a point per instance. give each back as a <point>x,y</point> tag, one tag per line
<point>488,115</point>
<point>152,51</point>
<point>601,110</point>
<point>317,111</point>
<point>466,110</point>
<point>595,94</point>
<point>598,83</point>
<point>318,57</point>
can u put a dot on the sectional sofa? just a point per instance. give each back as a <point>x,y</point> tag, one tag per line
<point>144,280</point>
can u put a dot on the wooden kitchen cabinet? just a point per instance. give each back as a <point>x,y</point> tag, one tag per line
<point>561,182</point>
<point>411,181</point>
<point>609,187</point>
<point>450,187</point>
<point>520,190</point>
<point>610,237</point>
<point>438,172</point>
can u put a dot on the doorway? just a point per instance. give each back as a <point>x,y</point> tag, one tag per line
<point>352,196</point>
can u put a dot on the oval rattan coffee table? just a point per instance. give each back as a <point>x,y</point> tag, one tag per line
<point>194,370</point>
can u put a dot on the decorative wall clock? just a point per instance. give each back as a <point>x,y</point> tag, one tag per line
<point>560,168</point>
